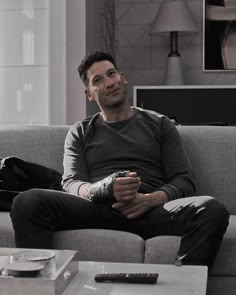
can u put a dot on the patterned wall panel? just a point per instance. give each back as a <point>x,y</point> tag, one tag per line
<point>142,58</point>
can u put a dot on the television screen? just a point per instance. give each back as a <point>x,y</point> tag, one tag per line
<point>190,105</point>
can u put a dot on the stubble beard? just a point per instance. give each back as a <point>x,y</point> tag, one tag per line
<point>112,105</point>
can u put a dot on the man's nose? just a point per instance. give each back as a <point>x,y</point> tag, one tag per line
<point>108,82</point>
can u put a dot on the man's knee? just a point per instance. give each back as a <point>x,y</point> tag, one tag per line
<point>217,211</point>
<point>211,205</point>
<point>26,202</point>
<point>204,209</point>
<point>26,197</point>
<point>212,215</point>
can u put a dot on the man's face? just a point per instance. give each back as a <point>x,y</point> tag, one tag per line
<point>106,85</point>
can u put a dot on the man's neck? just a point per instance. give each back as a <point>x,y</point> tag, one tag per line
<point>117,115</point>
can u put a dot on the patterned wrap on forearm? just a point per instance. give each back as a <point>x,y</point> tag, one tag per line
<point>102,190</point>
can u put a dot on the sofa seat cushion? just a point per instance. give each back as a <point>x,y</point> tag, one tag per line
<point>161,249</point>
<point>225,263</point>
<point>102,245</point>
<point>6,231</point>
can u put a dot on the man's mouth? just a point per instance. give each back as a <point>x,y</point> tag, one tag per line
<point>113,91</point>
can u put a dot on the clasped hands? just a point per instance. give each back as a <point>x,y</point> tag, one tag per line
<point>129,202</point>
<point>121,190</point>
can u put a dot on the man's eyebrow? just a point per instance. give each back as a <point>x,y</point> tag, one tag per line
<point>95,77</point>
<point>112,69</point>
<point>109,70</point>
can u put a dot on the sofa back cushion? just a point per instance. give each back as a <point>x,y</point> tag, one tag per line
<point>212,153</point>
<point>211,150</point>
<point>38,144</point>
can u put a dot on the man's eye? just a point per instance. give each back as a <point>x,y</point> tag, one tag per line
<point>96,80</point>
<point>112,73</point>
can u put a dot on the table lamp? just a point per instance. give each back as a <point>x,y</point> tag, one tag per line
<point>173,16</point>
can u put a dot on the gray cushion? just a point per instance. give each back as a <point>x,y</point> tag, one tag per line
<point>211,150</point>
<point>162,249</point>
<point>6,231</point>
<point>224,285</point>
<point>225,263</point>
<point>41,145</point>
<point>102,245</point>
<point>92,244</point>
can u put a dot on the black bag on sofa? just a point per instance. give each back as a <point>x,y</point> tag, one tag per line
<point>17,175</point>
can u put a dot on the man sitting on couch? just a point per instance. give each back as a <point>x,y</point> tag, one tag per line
<point>125,168</point>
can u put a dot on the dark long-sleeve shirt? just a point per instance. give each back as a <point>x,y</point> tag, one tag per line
<point>147,143</point>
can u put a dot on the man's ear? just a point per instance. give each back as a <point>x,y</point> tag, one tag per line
<point>88,94</point>
<point>123,78</point>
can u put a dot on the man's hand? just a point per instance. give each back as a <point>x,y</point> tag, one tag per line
<point>126,187</point>
<point>140,204</point>
<point>121,185</point>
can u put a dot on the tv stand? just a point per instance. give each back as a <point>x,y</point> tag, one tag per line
<point>190,105</point>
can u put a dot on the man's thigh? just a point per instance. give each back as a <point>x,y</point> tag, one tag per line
<point>170,218</point>
<point>61,210</point>
<point>74,212</point>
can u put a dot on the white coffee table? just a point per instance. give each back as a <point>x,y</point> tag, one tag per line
<point>177,280</point>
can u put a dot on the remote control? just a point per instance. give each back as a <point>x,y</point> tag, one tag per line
<point>135,278</point>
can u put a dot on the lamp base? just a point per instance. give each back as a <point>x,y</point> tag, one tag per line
<point>174,71</point>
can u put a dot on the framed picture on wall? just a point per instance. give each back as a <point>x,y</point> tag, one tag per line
<point>219,36</point>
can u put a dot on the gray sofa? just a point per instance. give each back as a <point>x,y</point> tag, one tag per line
<point>212,152</point>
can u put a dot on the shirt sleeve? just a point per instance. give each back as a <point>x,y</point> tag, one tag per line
<point>74,162</point>
<point>176,165</point>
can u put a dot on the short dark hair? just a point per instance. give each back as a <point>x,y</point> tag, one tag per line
<point>90,59</point>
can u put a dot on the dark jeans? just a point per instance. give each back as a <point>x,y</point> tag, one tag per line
<point>200,221</point>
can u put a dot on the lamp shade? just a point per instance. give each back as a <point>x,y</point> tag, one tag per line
<point>173,16</point>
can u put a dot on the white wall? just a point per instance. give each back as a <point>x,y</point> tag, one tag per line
<point>57,62</point>
<point>24,62</point>
<point>39,83</point>
<point>76,50</point>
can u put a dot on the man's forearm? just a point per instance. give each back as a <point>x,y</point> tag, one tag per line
<point>179,188</point>
<point>72,185</point>
<point>157,198</point>
<point>83,190</point>
<point>102,191</point>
